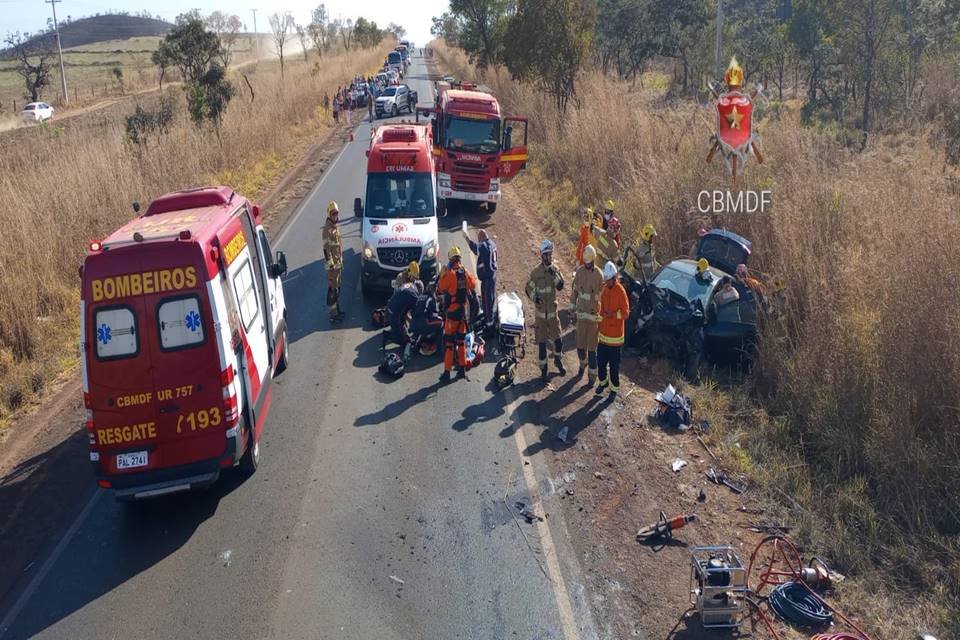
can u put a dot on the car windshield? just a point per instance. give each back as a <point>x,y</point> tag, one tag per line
<point>394,56</point>
<point>389,91</point>
<point>479,136</point>
<point>684,284</point>
<point>399,195</point>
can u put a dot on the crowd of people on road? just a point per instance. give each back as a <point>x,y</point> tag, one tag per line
<point>361,92</point>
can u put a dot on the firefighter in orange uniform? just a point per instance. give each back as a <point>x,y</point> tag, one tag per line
<point>333,256</point>
<point>458,288</point>
<point>614,310</point>
<point>586,232</point>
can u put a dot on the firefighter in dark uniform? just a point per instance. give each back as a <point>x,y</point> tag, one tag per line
<point>545,280</point>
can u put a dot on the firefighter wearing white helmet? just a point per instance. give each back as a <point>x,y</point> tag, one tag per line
<point>333,257</point>
<point>614,311</point>
<point>586,289</point>
<point>542,286</point>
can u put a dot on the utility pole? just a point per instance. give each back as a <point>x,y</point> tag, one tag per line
<point>716,53</point>
<point>56,28</point>
<point>256,38</point>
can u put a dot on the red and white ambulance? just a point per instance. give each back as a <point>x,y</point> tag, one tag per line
<point>182,328</point>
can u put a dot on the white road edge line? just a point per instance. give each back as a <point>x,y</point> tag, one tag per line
<point>28,592</point>
<point>557,583</point>
<point>292,220</point>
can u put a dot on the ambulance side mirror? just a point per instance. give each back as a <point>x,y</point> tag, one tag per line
<point>279,268</point>
<point>357,208</point>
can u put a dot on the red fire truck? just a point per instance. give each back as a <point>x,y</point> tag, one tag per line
<point>182,328</point>
<point>476,149</point>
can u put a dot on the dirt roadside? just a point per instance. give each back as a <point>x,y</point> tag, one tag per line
<point>45,478</point>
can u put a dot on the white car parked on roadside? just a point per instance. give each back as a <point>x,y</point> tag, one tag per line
<point>37,112</point>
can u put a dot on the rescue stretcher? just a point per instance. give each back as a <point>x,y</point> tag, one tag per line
<point>511,333</point>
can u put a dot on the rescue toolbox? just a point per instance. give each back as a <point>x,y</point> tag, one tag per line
<point>182,328</point>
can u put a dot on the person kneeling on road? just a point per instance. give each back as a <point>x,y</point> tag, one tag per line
<point>458,288</point>
<point>400,304</point>
<point>545,280</point>
<point>426,324</point>
<point>409,275</point>
<point>614,309</point>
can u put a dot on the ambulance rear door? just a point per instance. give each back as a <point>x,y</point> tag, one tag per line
<point>182,342</point>
<point>247,288</point>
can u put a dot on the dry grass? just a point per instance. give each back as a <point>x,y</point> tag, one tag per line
<point>62,189</point>
<point>854,407</point>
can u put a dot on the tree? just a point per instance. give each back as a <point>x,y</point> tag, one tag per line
<point>397,30</point>
<point>208,97</point>
<point>811,34</point>
<point>227,28</point>
<point>304,40</point>
<point>481,27</point>
<point>32,64</point>
<point>446,27</point>
<point>346,32</point>
<point>281,25</point>
<point>195,51</point>
<point>118,76</point>
<point>319,29</point>
<point>868,25</point>
<point>676,29</point>
<point>143,124</point>
<point>189,47</point>
<point>548,42</point>
<point>366,33</point>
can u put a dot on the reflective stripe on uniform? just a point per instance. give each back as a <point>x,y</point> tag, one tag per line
<point>610,340</point>
<point>542,315</point>
<point>586,315</point>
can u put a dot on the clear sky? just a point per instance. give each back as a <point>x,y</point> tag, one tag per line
<point>31,15</point>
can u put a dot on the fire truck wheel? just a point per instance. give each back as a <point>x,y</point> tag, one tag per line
<point>285,356</point>
<point>251,457</point>
<point>365,289</point>
<point>395,111</point>
<point>491,207</point>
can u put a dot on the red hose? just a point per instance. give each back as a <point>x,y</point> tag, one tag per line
<point>791,558</point>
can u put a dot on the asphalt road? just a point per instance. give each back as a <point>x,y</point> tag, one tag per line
<point>377,511</point>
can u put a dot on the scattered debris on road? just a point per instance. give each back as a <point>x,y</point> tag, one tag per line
<point>678,463</point>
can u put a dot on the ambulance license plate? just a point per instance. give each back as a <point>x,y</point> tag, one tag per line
<point>132,460</point>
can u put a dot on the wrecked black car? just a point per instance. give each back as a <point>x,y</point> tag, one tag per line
<point>683,314</point>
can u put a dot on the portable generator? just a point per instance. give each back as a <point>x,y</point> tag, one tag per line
<point>718,586</point>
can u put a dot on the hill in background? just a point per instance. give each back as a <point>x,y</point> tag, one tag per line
<point>101,28</point>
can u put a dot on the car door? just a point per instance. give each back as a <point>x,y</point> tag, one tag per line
<point>513,158</point>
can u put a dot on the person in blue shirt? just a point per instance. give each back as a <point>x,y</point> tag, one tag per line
<point>486,251</point>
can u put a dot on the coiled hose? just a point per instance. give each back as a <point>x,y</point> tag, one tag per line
<point>793,602</point>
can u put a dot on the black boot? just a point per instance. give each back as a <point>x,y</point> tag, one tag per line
<point>445,377</point>
<point>462,373</point>
<point>557,361</point>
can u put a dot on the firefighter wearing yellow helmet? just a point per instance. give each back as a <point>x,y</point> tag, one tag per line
<point>333,257</point>
<point>606,234</point>
<point>410,275</point>
<point>643,262</point>
<point>458,288</point>
<point>586,290</point>
<point>542,286</point>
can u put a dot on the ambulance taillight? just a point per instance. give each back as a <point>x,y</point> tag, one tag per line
<point>231,410</point>
<point>88,419</point>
